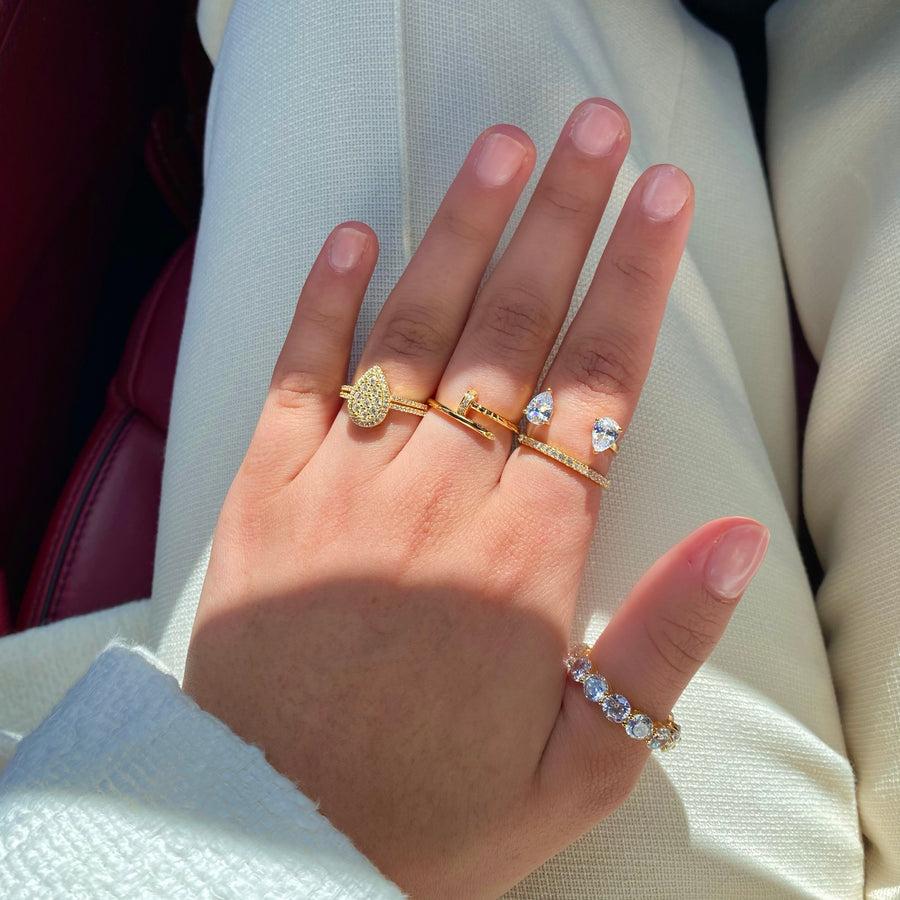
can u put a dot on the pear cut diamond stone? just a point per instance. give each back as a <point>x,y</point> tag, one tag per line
<point>616,708</point>
<point>370,398</point>
<point>604,434</point>
<point>540,408</point>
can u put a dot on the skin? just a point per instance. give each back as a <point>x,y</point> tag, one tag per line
<point>386,610</point>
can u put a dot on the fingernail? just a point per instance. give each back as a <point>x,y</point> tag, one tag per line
<point>346,248</point>
<point>598,130</point>
<point>500,159</point>
<point>665,193</point>
<point>734,559</point>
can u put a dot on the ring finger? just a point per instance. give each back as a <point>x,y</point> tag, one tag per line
<point>519,311</point>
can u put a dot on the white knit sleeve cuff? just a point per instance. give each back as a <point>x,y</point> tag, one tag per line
<point>128,788</point>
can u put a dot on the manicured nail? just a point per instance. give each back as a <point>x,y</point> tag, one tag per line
<point>734,559</point>
<point>346,249</point>
<point>500,159</point>
<point>665,193</point>
<point>598,130</point>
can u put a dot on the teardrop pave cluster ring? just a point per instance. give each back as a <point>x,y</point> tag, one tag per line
<point>639,726</point>
<point>369,400</point>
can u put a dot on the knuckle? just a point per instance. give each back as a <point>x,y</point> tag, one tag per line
<point>413,333</point>
<point>561,204</point>
<point>682,646</point>
<point>640,274</point>
<point>514,319</point>
<point>604,366</point>
<point>295,389</point>
<point>458,225</point>
<point>324,323</point>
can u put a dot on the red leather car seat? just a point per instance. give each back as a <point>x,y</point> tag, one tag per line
<point>98,549</point>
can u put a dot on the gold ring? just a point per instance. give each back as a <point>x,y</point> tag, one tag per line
<point>638,725</point>
<point>562,457</point>
<point>458,418</point>
<point>369,400</point>
<point>468,402</point>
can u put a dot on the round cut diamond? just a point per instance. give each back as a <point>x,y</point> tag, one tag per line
<point>639,727</point>
<point>616,708</point>
<point>595,688</point>
<point>540,408</point>
<point>580,669</point>
<point>661,737</point>
<point>604,434</point>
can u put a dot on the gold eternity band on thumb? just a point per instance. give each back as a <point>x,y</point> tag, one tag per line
<point>369,400</point>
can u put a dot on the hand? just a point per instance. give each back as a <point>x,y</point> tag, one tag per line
<point>386,609</point>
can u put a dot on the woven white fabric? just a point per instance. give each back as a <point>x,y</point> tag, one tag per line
<point>39,665</point>
<point>128,789</point>
<point>834,155</point>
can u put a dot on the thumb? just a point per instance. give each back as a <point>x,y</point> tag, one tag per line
<point>660,636</point>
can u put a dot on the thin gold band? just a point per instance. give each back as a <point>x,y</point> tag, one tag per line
<point>399,403</point>
<point>576,465</point>
<point>453,414</point>
<point>469,402</point>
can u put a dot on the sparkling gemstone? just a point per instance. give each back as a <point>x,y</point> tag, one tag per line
<point>604,434</point>
<point>661,737</point>
<point>595,688</point>
<point>580,669</point>
<point>616,708</point>
<point>639,727</point>
<point>540,408</point>
<point>675,731</point>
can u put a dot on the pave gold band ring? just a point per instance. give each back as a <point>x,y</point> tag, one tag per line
<point>562,457</point>
<point>369,400</point>
<point>638,726</point>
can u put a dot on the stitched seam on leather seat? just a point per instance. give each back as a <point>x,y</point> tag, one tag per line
<point>67,555</point>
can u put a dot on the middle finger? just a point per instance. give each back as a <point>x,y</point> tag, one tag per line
<point>517,315</point>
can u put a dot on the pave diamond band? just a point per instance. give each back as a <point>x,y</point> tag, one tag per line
<point>562,457</point>
<point>639,726</point>
<point>369,400</point>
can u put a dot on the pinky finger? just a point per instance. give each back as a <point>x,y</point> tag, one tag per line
<point>303,396</point>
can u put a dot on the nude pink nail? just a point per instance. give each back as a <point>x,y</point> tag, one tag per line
<point>499,159</point>
<point>734,559</point>
<point>665,193</point>
<point>346,249</point>
<point>598,130</point>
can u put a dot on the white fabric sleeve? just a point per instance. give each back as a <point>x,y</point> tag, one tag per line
<point>129,789</point>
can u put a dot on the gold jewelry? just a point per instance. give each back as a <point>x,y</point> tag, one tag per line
<point>639,726</point>
<point>468,402</point>
<point>458,418</point>
<point>369,400</point>
<point>562,457</point>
